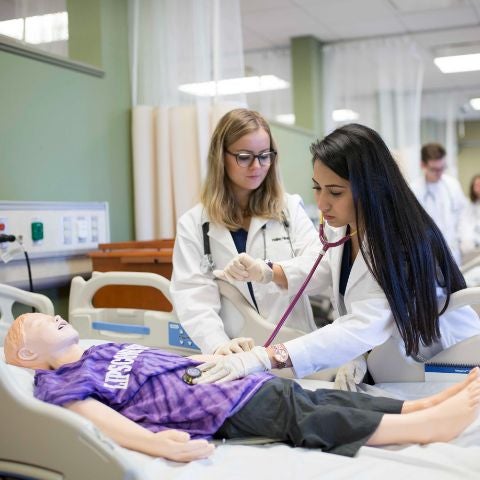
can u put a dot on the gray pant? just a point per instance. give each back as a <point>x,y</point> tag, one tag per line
<point>335,421</point>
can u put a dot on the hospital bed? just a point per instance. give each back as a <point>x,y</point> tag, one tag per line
<point>471,269</point>
<point>43,441</point>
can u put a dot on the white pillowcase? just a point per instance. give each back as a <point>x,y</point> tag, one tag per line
<point>24,377</point>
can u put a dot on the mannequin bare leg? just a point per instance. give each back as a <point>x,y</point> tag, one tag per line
<point>440,423</point>
<point>427,402</point>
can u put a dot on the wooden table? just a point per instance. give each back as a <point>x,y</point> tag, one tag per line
<point>153,256</point>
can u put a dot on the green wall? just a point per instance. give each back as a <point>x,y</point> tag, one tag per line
<point>469,154</point>
<point>307,82</point>
<point>295,159</point>
<point>65,135</point>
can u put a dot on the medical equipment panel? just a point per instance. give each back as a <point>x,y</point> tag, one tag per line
<point>53,236</point>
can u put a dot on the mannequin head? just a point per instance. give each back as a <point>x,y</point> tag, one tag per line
<point>36,340</point>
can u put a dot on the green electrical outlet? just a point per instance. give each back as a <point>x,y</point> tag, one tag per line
<point>37,231</point>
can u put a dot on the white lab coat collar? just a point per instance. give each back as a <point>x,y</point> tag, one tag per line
<point>224,238</point>
<point>256,223</point>
<point>223,235</point>
<point>359,267</point>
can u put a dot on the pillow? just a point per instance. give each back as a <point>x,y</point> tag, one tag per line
<point>24,376</point>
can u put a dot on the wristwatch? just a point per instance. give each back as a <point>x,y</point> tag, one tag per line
<point>280,355</point>
<point>268,275</point>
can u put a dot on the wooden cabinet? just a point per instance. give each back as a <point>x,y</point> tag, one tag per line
<point>143,256</point>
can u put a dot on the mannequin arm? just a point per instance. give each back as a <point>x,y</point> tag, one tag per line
<point>170,444</point>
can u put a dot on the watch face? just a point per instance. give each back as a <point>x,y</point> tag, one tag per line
<point>281,355</point>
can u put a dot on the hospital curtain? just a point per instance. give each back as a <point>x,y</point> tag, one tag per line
<point>378,83</point>
<point>440,114</point>
<point>173,43</point>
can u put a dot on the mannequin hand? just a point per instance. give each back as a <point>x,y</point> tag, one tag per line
<point>236,345</point>
<point>177,446</point>
<point>237,365</point>
<point>244,268</point>
<point>351,374</point>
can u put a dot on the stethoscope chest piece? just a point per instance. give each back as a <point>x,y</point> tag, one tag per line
<point>191,373</point>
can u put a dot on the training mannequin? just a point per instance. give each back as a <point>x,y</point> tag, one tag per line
<point>135,394</point>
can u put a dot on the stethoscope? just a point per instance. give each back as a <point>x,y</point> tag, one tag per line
<point>207,264</point>
<point>325,246</point>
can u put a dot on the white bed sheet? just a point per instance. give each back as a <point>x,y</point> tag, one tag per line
<point>458,459</point>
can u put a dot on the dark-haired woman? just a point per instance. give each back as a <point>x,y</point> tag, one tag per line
<point>393,278</point>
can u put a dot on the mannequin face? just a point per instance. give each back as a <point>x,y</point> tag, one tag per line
<point>46,337</point>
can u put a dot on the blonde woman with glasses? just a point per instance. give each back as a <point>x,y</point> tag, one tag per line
<point>243,209</point>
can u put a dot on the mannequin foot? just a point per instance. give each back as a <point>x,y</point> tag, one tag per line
<point>427,402</point>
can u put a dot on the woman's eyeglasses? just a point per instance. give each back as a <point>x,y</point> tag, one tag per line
<point>245,159</point>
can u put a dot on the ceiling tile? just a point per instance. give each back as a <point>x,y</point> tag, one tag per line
<point>445,18</point>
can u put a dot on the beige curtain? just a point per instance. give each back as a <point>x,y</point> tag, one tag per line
<point>174,43</point>
<point>170,147</point>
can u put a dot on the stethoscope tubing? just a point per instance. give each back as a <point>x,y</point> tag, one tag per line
<point>325,246</point>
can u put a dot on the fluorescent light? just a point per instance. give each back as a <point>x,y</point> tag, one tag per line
<point>344,115</point>
<point>233,86</point>
<point>52,27</point>
<point>458,63</point>
<point>475,103</point>
<point>287,118</point>
<point>12,28</point>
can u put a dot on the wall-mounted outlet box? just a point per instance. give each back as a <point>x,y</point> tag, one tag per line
<point>57,237</point>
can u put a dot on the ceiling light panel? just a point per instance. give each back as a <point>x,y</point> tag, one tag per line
<point>410,6</point>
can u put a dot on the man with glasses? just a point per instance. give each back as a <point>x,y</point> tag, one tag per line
<point>441,195</point>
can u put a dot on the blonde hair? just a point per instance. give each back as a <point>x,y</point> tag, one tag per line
<point>217,197</point>
<point>14,341</point>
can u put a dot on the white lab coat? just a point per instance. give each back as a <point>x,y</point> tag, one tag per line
<point>364,319</point>
<point>195,295</point>
<point>444,201</point>
<point>469,229</point>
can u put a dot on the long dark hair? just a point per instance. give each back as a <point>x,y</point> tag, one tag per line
<point>404,249</point>
<point>473,196</point>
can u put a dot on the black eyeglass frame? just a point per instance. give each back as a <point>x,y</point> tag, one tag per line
<point>253,157</point>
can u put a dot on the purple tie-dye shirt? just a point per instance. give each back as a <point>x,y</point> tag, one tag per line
<point>146,386</point>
